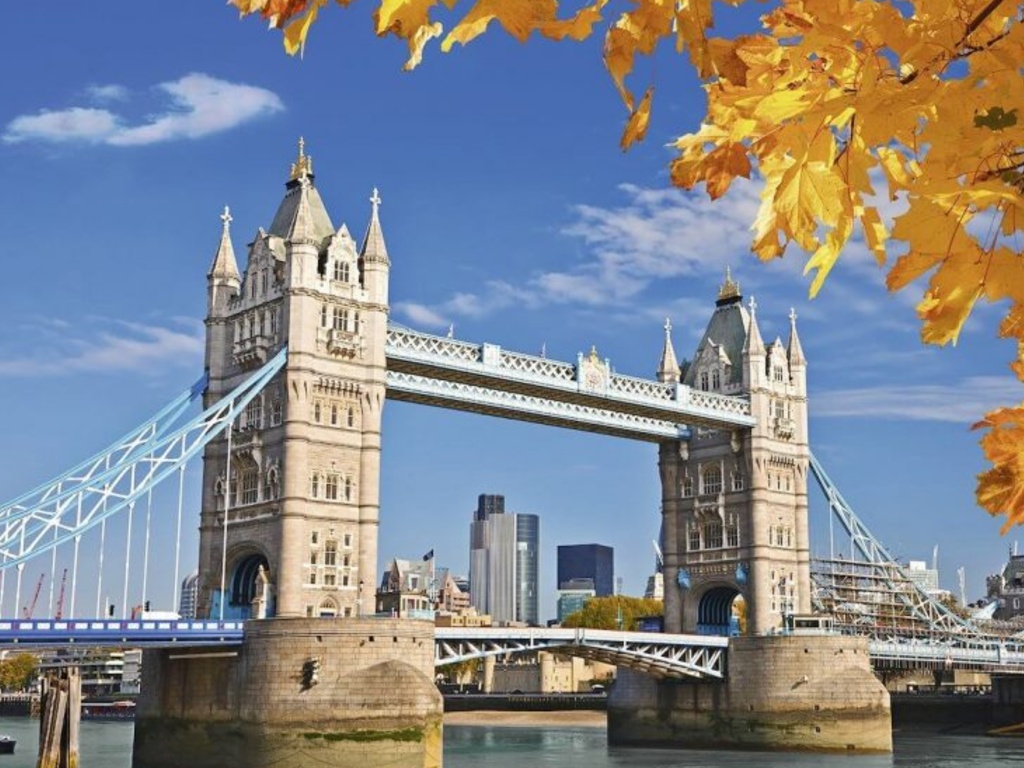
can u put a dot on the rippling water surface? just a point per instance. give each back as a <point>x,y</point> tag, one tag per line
<point>108,745</point>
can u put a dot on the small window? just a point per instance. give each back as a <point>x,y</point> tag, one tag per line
<point>323,315</point>
<point>344,580</point>
<point>347,540</point>
<point>334,415</point>
<point>313,558</point>
<point>704,380</point>
<point>348,612</point>
<point>331,487</point>
<point>687,487</point>
<point>348,489</point>
<point>314,537</point>
<point>314,488</point>
<point>312,577</point>
<point>328,579</point>
<point>694,539</point>
<point>779,374</point>
<point>351,418</point>
<point>737,481</point>
<point>276,412</point>
<point>331,553</point>
<point>712,480</point>
<point>316,412</point>
<point>713,536</point>
<point>250,486</point>
<point>346,560</point>
<point>273,322</point>
<point>309,611</point>
<point>716,379</point>
<point>732,536</point>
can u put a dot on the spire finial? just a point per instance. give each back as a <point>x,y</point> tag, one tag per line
<point>668,327</point>
<point>303,166</point>
<point>226,218</point>
<point>753,305</point>
<point>730,288</point>
<point>375,200</point>
<point>792,315</point>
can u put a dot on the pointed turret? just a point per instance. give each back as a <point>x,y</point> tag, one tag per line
<point>754,344</point>
<point>302,217</point>
<point>225,266</point>
<point>668,368</point>
<point>374,264</point>
<point>794,351</point>
<point>373,247</point>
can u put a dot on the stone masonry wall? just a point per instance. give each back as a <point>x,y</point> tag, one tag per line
<point>813,693</point>
<point>373,700</point>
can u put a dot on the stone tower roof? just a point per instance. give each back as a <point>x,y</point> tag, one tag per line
<point>225,266</point>
<point>373,242</point>
<point>668,368</point>
<point>302,215</point>
<point>726,334</point>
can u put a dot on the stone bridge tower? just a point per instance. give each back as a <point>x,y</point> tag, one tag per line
<point>305,456</point>
<point>734,505</point>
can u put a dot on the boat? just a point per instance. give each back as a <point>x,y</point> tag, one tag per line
<point>7,744</point>
<point>108,710</point>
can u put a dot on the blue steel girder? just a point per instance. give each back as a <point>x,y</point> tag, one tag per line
<point>656,654</point>
<point>889,572</point>
<point>589,383</point>
<point>67,515</point>
<point>123,449</point>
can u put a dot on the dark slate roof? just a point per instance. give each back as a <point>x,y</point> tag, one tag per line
<point>288,212</point>
<point>727,328</point>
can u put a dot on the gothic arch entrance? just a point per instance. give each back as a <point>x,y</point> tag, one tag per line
<point>245,586</point>
<point>716,612</point>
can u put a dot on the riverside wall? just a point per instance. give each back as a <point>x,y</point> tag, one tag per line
<point>781,693</point>
<point>372,701</point>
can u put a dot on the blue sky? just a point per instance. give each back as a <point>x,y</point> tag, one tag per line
<point>509,210</point>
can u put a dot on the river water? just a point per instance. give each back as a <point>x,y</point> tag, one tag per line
<point>108,745</point>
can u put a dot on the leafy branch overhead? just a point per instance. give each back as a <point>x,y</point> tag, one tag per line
<point>839,106</point>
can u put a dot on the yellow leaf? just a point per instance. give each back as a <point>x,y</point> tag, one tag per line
<point>1000,490</point>
<point>874,233</point>
<point>410,21</point>
<point>521,18</point>
<point>636,126</point>
<point>723,165</point>
<point>895,169</point>
<point>828,252</point>
<point>295,33</point>
<point>809,194</point>
<point>951,294</point>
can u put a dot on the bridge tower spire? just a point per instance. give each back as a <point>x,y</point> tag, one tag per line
<point>301,493</point>
<point>668,368</point>
<point>734,504</point>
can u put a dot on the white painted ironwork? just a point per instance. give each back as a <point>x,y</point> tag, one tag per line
<point>553,385</point>
<point>654,653</point>
<point>76,508</point>
<point>498,402</point>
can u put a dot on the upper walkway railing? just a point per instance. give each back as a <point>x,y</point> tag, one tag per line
<point>587,395</point>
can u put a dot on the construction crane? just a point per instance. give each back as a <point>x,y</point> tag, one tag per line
<point>60,597</point>
<point>28,609</point>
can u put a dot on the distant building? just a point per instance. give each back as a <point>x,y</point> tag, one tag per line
<point>926,578</point>
<point>1007,587</point>
<point>189,596</point>
<point>504,562</point>
<point>655,587</point>
<point>405,589</point>
<point>573,595</point>
<point>587,561</point>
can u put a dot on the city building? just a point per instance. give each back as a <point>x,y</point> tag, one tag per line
<point>655,587</point>
<point>189,596</point>
<point>1007,587</point>
<point>573,595</point>
<point>587,561</point>
<point>549,673</point>
<point>449,596</point>
<point>406,589</point>
<point>105,672</point>
<point>503,562</point>
<point>926,578</point>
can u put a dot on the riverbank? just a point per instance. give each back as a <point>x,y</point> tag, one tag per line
<point>561,719</point>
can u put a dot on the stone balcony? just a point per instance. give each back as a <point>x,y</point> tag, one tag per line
<point>252,352</point>
<point>345,343</point>
<point>784,427</point>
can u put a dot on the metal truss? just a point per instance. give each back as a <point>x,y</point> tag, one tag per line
<point>65,515</point>
<point>589,383</point>
<point>81,633</point>
<point>124,449</point>
<point>656,654</point>
<point>521,407</point>
<point>874,596</point>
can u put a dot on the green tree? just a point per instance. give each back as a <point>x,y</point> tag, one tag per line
<point>17,671</point>
<point>616,612</point>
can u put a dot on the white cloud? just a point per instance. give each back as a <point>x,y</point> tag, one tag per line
<point>200,105</point>
<point>421,315</point>
<point>108,92</point>
<point>961,403</point>
<point>108,347</point>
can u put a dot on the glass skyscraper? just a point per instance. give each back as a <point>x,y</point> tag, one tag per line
<point>588,561</point>
<point>504,562</point>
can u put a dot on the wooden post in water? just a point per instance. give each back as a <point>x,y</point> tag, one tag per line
<point>60,713</point>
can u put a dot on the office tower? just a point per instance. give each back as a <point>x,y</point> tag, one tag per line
<point>503,562</point>
<point>588,561</point>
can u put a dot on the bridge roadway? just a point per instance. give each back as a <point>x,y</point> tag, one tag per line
<point>587,395</point>
<point>657,654</point>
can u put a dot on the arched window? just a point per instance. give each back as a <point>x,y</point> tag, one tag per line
<point>263,324</point>
<point>704,380</point>
<point>351,418</point>
<point>328,609</point>
<point>331,487</point>
<point>316,412</point>
<point>314,486</point>
<point>716,379</point>
<point>323,315</point>
<point>218,493</point>
<point>348,489</point>
<point>779,373</point>
<point>334,415</point>
<point>687,486</point>
<point>711,480</point>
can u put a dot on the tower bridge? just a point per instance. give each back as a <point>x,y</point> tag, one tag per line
<point>300,358</point>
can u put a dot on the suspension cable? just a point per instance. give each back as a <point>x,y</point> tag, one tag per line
<point>145,551</point>
<point>99,583</point>
<point>227,511</point>
<point>74,576</point>
<point>176,589</point>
